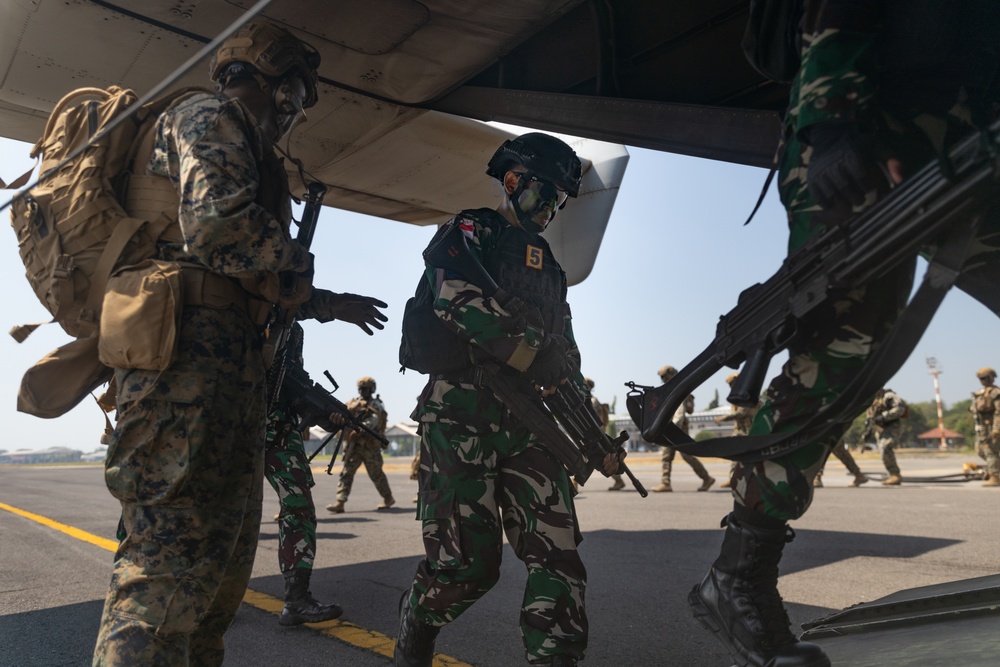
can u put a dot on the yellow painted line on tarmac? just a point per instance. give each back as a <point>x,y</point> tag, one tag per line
<point>110,545</point>
<point>355,635</point>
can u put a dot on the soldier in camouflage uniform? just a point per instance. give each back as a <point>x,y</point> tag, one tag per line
<point>883,87</point>
<point>186,457</point>
<point>885,416</point>
<point>985,409</point>
<point>742,419</point>
<point>667,455</point>
<point>286,467</point>
<point>482,471</point>
<point>360,448</point>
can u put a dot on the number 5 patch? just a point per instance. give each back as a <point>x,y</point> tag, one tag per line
<point>533,257</point>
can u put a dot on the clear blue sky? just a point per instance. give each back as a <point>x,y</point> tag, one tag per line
<point>674,258</point>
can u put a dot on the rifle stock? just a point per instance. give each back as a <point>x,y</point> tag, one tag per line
<point>940,204</point>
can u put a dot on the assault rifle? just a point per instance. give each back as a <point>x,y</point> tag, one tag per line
<point>584,444</point>
<point>315,406</point>
<point>276,348</point>
<point>940,205</point>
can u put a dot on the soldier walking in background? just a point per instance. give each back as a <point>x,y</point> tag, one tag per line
<point>742,419</point>
<point>840,451</point>
<point>986,412</point>
<point>286,467</point>
<point>360,448</point>
<point>667,455</point>
<point>885,415</point>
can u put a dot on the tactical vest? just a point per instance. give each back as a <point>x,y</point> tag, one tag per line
<point>523,265</point>
<point>983,400</point>
<point>520,263</point>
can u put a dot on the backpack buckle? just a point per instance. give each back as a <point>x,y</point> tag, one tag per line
<point>64,267</point>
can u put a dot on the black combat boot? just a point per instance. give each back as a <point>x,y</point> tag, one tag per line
<point>300,606</point>
<point>563,661</point>
<point>739,602</point>
<point>415,639</point>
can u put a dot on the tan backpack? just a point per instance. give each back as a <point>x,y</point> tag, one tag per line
<point>73,231</point>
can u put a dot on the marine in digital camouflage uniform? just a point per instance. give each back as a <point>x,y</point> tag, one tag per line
<point>186,456</point>
<point>360,448</point>
<point>667,455</point>
<point>883,87</point>
<point>885,414</point>
<point>986,412</point>
<point>481,470</point>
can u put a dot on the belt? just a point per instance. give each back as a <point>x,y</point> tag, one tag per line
<point>211,290</point>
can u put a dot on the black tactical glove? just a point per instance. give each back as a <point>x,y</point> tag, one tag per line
<point>520,316</point>
<point>551,363</point>
<point>844,166</point>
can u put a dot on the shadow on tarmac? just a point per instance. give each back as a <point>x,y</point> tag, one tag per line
<point>638,583</point>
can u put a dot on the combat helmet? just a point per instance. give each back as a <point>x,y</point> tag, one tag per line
<point>271,51</point>
<point>986,372</point>
<point>366,381</point>
<point>731,378</point>
<point>544,156</point>
<point>668,371</point>
<point>590,383</point>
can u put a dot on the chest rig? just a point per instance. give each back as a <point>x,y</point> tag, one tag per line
<point>523,265</point>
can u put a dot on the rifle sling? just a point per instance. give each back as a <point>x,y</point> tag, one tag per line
<point>892,352</point>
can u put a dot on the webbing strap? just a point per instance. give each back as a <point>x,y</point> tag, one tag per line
<point>122,234</point>
<point>892,352</point>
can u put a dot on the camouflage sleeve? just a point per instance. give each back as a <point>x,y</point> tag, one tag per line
<point>836,79</point>
<point>895,408</point>
<point>203,145</point>
<point>480,319</point>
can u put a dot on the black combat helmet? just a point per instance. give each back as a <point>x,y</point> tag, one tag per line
<point>548,158</point>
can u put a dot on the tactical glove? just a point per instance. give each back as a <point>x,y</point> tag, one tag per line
<point>844,167</point>
<point>879,420</point>
<point>551,363</point>
<point>362,311</point>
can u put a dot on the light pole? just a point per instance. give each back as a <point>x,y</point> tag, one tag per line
<point>934,369</point>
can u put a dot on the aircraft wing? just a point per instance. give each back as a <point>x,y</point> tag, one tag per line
<point>401,81</point>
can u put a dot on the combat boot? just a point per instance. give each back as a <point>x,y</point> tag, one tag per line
<point>300,606</point>
<point>728,484</point>
<point>892,480</point>
<point>336,508</point>
<point>562,661</point>
<point>859,479</point>
<point>617,484</point>
<point>662,488</point>
<point>386,503</point>
<point>415,639</point>
<point>818,481</point>
<point>992,481</point>
<point>706,483</point>
<point>738,600</point>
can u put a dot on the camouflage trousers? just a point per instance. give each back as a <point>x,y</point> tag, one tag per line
<point>888,439</point>
<point>830,353</point>
<point>988,448</point>
<point>286,468</point>
<point>369,453</point>
<point>667,464</point>
<point>186,463</point>
<point>482,472</point>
